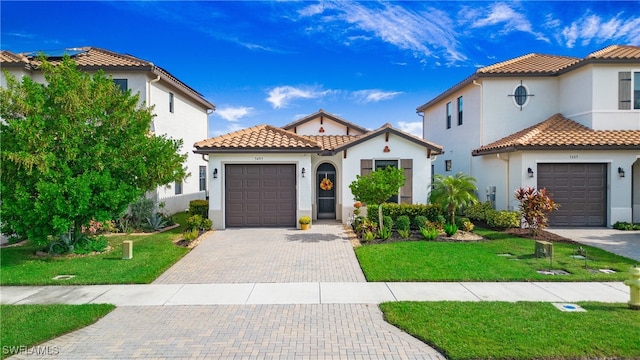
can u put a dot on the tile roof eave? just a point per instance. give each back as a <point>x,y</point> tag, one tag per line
<point>254,150</point>
<point>514,148</point>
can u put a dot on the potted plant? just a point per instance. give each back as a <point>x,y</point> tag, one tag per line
<point>305,222</point>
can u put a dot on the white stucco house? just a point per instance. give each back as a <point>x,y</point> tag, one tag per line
<point>180,111</point>
<point>571,125</point>
<point>271,176</point>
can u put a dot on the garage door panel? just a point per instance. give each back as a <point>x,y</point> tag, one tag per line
<point>580,189</point>
<point>260,194</point>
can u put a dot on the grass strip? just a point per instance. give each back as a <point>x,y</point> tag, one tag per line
<point>25,326</point>
<point>522,330</point>
<point>479,261</point>
<point>152,255</point>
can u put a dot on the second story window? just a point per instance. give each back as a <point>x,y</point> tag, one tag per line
<point>178,187</point>
<point>448,115</point>
<point>122,84</point>
<point>447,165</point>
<point>460,110</point>
<point>170,102</point>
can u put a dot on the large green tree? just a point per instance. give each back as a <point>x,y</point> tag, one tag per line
<point>453,192</point>
<point>76,148</point>
<point>378,186</point>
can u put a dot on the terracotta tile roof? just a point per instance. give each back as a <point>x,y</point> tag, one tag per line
<point>7,57</point>
<point>259,138</point>
<point>266,138</point>
<point>618,52</point>
<point>559,132</point>
<point>331,142</point>
<point>92,58</point>
<point>530,64</point>
<point>541,65</point>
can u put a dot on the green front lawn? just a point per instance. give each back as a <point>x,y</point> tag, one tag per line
<point>523,330</point>
<point>479,261</point>
<point>152,255</point>
<point>24,326</point>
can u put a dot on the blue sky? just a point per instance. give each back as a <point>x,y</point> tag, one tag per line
<point>369,62</point>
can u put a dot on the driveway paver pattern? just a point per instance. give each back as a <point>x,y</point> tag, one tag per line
<point>321,254</point>
<point>337,331</point>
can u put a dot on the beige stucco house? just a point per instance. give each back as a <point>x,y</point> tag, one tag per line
<point>271,176</point>
<point>571,125</point>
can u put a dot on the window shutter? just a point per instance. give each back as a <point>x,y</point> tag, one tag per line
<point>624,90</point>
<point>366,166</point>
<point>406,192</point>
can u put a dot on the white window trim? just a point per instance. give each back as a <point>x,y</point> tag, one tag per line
<point>526,98</point>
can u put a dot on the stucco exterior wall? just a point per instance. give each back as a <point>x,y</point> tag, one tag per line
<point>373,149</point>
<point>330,127</point>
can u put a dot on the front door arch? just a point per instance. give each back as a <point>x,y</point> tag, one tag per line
<point>326,191</point>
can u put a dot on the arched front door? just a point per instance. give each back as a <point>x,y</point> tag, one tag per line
<point>326,191</point>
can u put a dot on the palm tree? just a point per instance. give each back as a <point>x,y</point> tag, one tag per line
<point>453,192</point>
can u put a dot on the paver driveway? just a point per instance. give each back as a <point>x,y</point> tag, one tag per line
<point>294,331</point>
<point>322,253</point>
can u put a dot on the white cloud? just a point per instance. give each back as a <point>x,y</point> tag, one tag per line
<point>593,28</point>
<point>424,33</point>
<point>414,128</point>
<point>281,96</point>
<point>501,14</point>
<point>217,131</point>
<point>233,113</point>
<point>373,95</point>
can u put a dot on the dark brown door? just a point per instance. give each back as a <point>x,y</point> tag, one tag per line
<point>581,191</point>
<point>260,195</point>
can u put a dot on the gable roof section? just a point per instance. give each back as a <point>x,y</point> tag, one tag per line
<point>325,115</point>
<point>92,58</point>
<point>561,133</point>
<point>541,65</point>
<point>261,138</point>
<point>9,59</point>
<point>387,128</point>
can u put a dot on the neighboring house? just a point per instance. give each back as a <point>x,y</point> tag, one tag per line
<point>180,111</point>
<point>566,124</point>
<point>270,176</point>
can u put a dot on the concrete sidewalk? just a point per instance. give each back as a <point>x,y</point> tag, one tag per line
<point>314,293</point>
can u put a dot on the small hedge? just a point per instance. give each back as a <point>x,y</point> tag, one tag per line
<point>496,219</point>
<point>199,207</point>
<point>430,211</point>
<point>623,225</point>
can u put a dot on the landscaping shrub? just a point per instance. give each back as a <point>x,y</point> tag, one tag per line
<point>450,229</point>
<point>190,235</point>
<point>503,219</point>
<point>534,206</point>
<point>387,222</point>
<point>199,207</point>
<point>199,223</point>
<point>87,245</point>
<point>140,211</point>
<point>419,221</point>
<point>464,224</point>
<point>623,225</point>
<point>478,211</point>
<point>385,233</point>
<point>429,233</point>
<point>430,211</point>
<point>402,223</point>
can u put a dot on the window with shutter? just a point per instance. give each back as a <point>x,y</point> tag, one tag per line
<point>624,90</point>
<point>366,166</point>
<point>406,192</point>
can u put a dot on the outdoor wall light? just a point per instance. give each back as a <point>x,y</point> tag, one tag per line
<point>530,172</point>
<point>215,173</point>
<point>303,172</point>
<point>620,172</point>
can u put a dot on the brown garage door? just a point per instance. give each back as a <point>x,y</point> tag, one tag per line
<point>580,189</point>
<point>260,195</point>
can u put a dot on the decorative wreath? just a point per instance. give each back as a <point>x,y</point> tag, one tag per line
<point>326,184</point>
